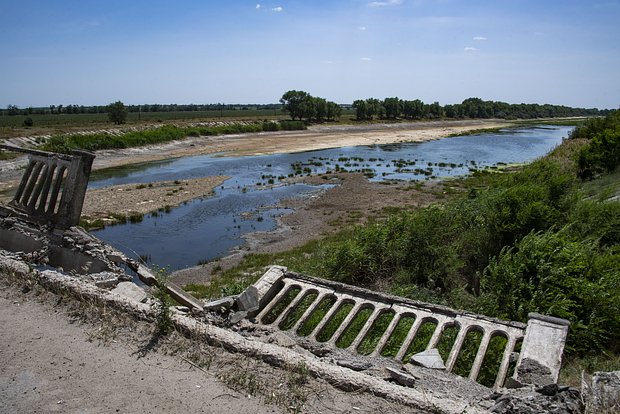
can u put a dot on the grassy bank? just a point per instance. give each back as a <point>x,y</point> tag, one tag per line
<point>166,133</point>
<point>541,239</point>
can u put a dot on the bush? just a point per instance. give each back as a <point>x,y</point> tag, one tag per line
<point>28,122</point>
<point>553,274</point>
<point>292,125</point>
<point>602,155</point>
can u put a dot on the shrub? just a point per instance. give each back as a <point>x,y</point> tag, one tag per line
<point>553,274</point>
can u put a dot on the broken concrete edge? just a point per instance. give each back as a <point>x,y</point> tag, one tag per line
<point>148,278</point>
<point>342,378</point>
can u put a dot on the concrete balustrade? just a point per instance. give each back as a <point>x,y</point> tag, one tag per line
<point>53,187</point>
<point>547,335</point>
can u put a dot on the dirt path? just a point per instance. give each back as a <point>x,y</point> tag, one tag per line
<point>49,365</point>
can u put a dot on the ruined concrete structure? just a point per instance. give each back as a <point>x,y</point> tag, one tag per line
<point>52,188</point>
<point>542,338</point>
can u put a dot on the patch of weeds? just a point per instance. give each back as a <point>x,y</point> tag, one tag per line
<point>162,304</point>
<point>88,224</point>
<point>140,186</point>
<point>136,217</point>
<point>198,290</point>
<point>118,218</point>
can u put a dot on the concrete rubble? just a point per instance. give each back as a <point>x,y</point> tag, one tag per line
<point>428,359</point>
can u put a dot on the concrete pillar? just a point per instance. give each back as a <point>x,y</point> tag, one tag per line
<point>541,353</point>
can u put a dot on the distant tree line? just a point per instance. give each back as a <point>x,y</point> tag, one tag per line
<point>393,108</point>
<point>101,109</point>
<point>303,106</point>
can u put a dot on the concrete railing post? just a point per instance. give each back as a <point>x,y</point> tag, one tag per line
<point>541,353</point>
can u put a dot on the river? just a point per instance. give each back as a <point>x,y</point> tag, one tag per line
<point>204,229</point>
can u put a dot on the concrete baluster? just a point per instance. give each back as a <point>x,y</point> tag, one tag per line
<point>57,186</point>
<point>49,177</point>
<point>482,350</point>
<point>441,325</point>
<point>24,182</point>
<point>34,177</point>
<point>362,333</point>
<point>309,311</point>
<point>39,187</point>
<point>291,306</point>
<point>410,337</point>
<point>503,367</point>
<point>327,317</point>
<point>386,335</point>
<point>347,321</point>
<point>287,286</point>
<point>456,347</point>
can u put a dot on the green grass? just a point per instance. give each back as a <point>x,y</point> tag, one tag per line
<point>166,133</point>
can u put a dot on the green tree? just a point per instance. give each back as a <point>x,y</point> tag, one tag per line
<point>296,103</point>
<point>117,112</point>
<point>361,109</point>
<point>392,107</point>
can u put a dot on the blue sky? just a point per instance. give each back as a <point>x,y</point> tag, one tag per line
<point>197,51</point>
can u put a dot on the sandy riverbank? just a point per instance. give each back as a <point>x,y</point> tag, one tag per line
<point>144,198</point>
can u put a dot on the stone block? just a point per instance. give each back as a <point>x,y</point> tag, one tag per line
<point>249,300</point>
<point>223,303</point>
<point>401,377</point>
<point>237,317</point>
<point>428,359</point>
<point>131,291</point>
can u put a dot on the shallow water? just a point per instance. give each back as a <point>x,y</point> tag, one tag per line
<point>204,229</point>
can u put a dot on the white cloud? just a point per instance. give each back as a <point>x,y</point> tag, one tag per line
<point>470,49</point>
<point>480,38</point>
<point>277,9</point>
<point>362,28</point>
<point>258,6</point>
<point>366,59</point>
<point>385,3</point>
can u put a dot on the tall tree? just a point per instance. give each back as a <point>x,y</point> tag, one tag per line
<point>117,112</point>
<point>295,103</point>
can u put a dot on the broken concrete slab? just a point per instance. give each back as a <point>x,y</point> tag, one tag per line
<point>401,377</point>
<point>269,284</point>
<point>602,393</point>
<point>131,290</point>
<point>354,365</point>
<point>105,280</point>
<point>428,359</point>
<point>237,316</point>
<point>249,300</point>
<point>181,296</point>
<point>219,304</point>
